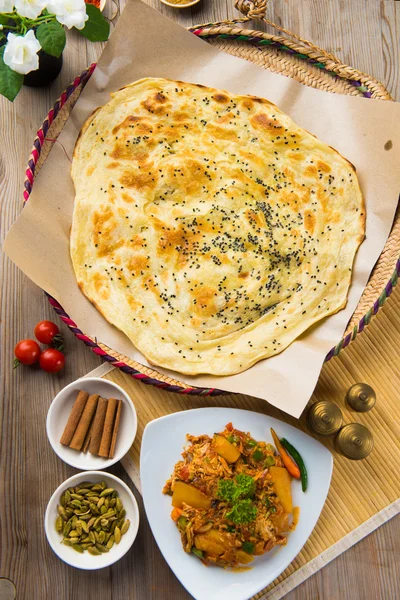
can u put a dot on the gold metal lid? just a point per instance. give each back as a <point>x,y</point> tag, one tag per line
<point>354,441</point>
<point>7,589</point>
<point>324,418</point>
<point>361,397</point>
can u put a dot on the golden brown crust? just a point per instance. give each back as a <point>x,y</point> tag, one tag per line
<point>209,227</point>
<point>84,128</point>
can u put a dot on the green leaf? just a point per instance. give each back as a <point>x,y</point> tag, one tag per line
<point>96,29</point>
<point>10,81</point>
<point>2,35</point>
<point>51,37</point>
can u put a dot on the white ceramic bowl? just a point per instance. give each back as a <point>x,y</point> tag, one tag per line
<point>60,409</point>
<point>162,444</point>
<point>88,561</point>
<point>186,5</point>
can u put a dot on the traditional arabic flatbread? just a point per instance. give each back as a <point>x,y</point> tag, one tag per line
<point>209,227</point>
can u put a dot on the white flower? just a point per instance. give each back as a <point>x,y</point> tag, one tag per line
<point>30,8</point>
<point>71,13</point>
<point>21,51</point>
<point>6,6</point>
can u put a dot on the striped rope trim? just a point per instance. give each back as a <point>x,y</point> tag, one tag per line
<point>92,344</point>
<point>366,319</point>
<point>41,134</point>
<point>255,40</point>
<point>123,366</point>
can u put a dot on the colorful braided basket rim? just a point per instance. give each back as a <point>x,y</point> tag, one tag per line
<point>144,378</point>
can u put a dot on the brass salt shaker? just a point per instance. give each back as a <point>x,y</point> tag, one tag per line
<point>324,418</point>
<point>361,397</point>
<point>354,441</point>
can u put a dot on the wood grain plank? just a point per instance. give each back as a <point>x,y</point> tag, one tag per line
<point>366,35</point>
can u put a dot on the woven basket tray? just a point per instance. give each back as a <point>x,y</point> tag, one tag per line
<point>298,59</point>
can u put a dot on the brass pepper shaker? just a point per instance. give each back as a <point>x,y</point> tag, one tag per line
<point>361,397</point>
<point>354,441</point>
<point>324,418</point>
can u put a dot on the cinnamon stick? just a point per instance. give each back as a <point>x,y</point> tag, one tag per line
<point>84,423</point>
<point>98,425</point>
<point>108,428</point>
<point>115,430</point>
<point>73,419</point>
<point>88,437</point>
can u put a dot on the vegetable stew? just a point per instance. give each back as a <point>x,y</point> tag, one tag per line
<point>231,498</point>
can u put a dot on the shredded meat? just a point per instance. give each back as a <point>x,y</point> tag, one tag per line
<point>210,532</point>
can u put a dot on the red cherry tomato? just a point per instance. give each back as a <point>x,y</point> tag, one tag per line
<point>26,352</point>
<point>45,331</point>
<point>52,360</point>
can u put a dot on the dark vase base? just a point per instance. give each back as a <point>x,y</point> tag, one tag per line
<point>49,68</point>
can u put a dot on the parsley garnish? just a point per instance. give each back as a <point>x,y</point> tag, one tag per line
<point>230,491</point>
<point>238,494</point>
<point>246,485</point>
<point>226,490</point>
<point>242,511</point>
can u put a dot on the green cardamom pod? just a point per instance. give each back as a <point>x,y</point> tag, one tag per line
<point>117,535</point>
<point>59,524</point>
<point>74,533</point>
<point>93,509</point>
<point>106,492</point>
<point>61,512</point>
<point>125,526</point>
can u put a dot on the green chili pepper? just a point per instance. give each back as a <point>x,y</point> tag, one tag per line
<point>267,502</point>
<point>300,462</point>
<point>269,461</point>
<point>248,547</point>
<point>251,444</point>
<point>257,454</point>
<point>197,552</point>
<point>230,438</point>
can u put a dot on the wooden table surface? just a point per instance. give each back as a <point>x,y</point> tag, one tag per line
<point>364,34</point>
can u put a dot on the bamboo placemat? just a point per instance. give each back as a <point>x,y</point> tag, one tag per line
<point>363,494</point>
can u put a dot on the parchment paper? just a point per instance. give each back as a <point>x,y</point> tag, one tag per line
<point>145,43</point>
